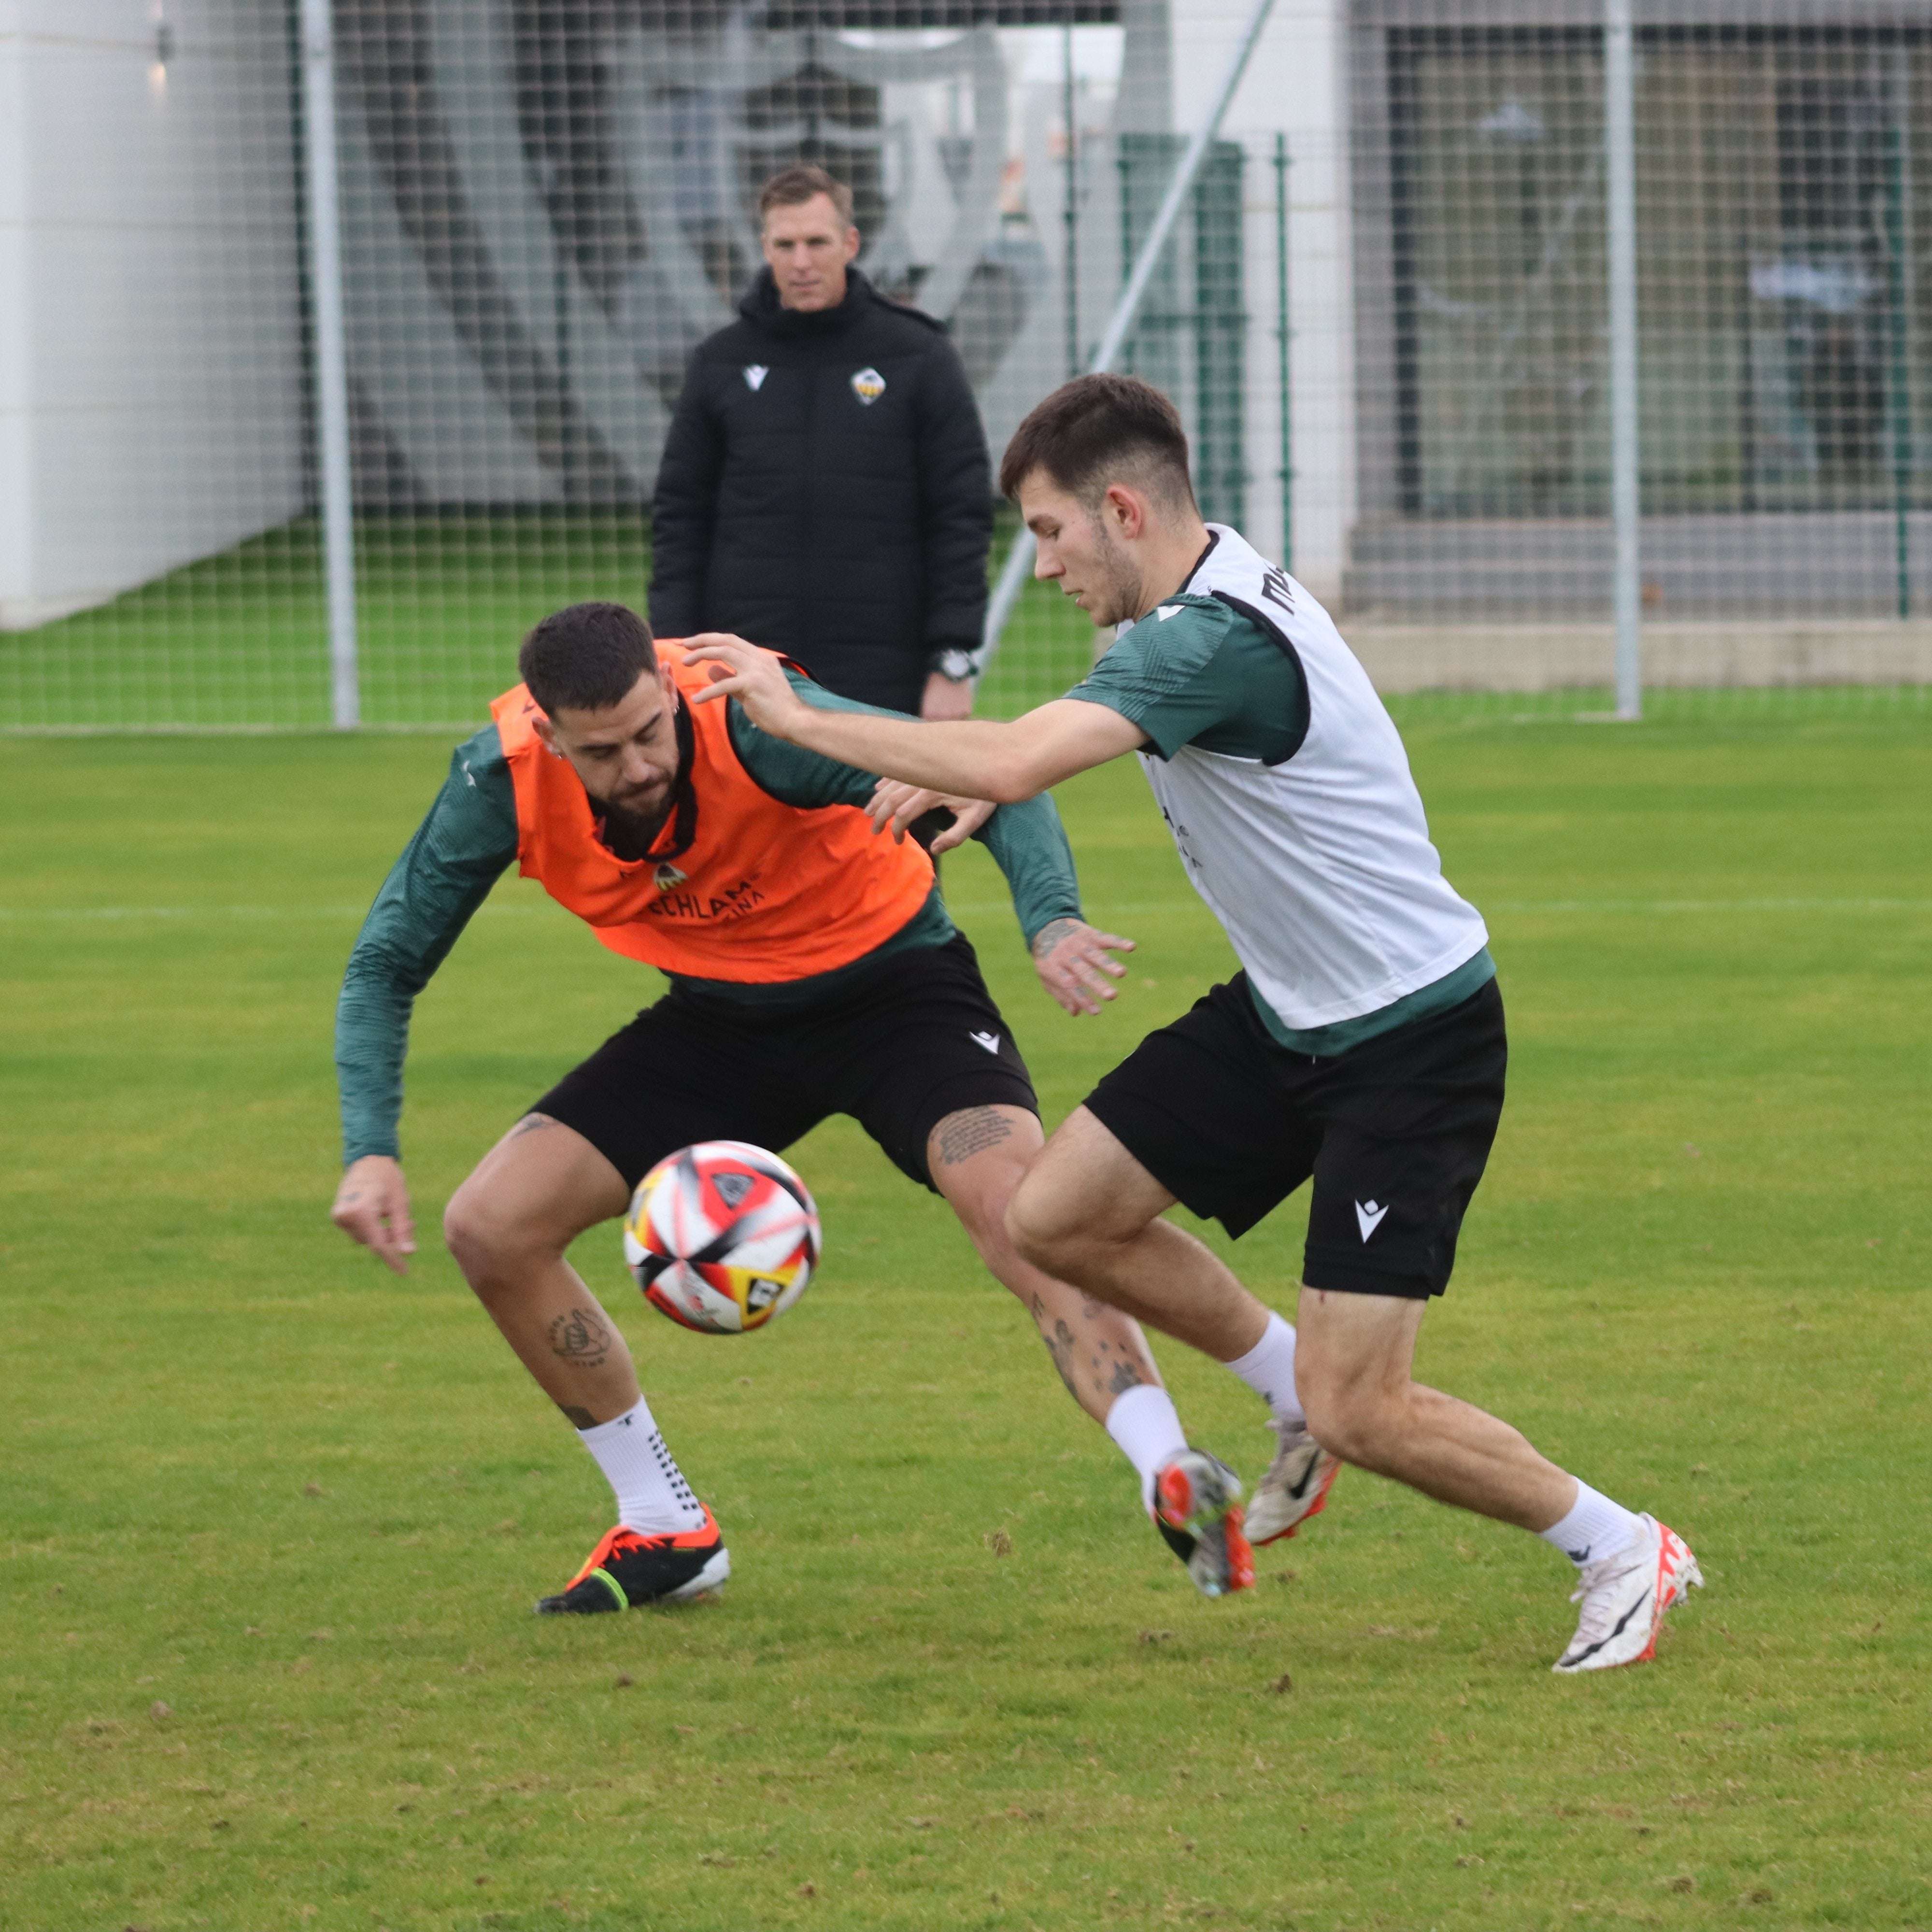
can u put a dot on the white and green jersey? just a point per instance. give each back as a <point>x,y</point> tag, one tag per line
<point>1288,791</point>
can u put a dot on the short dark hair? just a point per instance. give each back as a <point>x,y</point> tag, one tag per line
<point>794,187</point>
<point>1099,430</point>
<point>588,658</point>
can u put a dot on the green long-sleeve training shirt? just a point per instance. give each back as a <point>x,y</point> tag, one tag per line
<point>469,840</point>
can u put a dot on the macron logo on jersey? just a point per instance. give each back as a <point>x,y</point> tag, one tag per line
<point>755,373</point>
<point>990,1041</point>
<point>1369,1216</point>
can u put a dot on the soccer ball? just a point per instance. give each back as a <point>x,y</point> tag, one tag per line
<point>721,1237</point>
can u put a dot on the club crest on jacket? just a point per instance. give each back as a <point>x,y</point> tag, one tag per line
<point>755,373</point>
<point>867,385</point>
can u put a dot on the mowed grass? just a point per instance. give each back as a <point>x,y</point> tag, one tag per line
<point>275,1520</point>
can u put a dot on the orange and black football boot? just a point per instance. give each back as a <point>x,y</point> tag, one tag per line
<point>1197,1508</point>
<point>627,1569</point>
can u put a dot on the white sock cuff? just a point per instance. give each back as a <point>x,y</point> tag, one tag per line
<point>1268,1369</point>
<point>1146,1426</point>
<point>1595,1528</point>
<point>620,1427</point>
<point>652,1496</point>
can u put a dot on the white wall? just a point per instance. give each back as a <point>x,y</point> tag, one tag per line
<point>150,353</point>
<point>1296,81</point>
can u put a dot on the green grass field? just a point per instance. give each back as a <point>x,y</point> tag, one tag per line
<point>275,1520</point>
<point>240,640</point>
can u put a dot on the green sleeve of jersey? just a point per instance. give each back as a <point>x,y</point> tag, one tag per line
<point>446,870</point>
<point>1205,675</point>
<point>1027,841</point>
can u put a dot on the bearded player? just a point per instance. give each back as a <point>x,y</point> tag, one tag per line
<point>814,970</point>
<point>1362,1044</point>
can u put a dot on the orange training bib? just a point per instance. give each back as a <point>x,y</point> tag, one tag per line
<point>763,893</point>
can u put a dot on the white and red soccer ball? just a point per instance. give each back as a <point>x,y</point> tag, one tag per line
<point>721,1237</point>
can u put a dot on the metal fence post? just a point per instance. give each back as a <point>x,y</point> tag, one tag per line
<point>1013,574</point>
<point>1620,156</point>
<point>331,368</point>
<point>1898,328</point>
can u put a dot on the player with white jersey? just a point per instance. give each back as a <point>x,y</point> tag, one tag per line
<point>1362,1044</point>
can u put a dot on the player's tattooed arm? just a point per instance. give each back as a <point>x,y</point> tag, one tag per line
<point>1071,960</point>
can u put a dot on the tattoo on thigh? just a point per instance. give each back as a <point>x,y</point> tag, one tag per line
<point>531,1124</point>
<point>580,1339</point>
<point>970,1131</point>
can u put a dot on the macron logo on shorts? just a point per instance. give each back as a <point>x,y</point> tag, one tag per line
<point>990,1041</point>
<point>1370,1216</point>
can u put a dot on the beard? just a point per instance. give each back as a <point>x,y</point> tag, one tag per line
<point>630,828</point>
<point>1115,597</point>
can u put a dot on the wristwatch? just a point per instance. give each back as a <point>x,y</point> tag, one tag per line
<point>954,665</point>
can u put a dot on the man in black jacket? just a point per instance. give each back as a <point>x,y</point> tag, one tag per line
<point>825,489</point>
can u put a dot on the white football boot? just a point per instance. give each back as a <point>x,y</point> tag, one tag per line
<point>1295,1488</point>
<point>1624,1597</point>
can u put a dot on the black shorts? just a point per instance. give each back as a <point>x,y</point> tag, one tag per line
<point>910,1041</point>
<point>1395,1132</point>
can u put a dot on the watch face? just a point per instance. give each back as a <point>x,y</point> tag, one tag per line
<point>955,665</point>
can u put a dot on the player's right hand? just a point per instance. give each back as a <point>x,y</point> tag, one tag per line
<point>372,1206</point>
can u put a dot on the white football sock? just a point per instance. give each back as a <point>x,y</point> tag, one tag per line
<point>1595,1528</point>
<point>653,1498</point>
<point>1268,1369</point>
<point>1143,1421</point>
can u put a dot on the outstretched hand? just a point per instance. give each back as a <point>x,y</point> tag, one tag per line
<point>894,806</point>
<point>755,678</point>
<point>372,1206</point>
<point>1072,961</point>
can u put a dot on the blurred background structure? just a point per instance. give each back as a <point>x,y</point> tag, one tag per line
<point>1384,315</point>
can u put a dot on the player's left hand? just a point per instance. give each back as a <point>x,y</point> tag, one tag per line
<point>1071,959</point>
<point>754,677</point>
<point>895,806</point>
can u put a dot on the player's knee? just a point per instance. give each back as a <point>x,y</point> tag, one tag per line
<point>481,1238</point>
<point>1349,1418</point>
<point>1036,1225</point>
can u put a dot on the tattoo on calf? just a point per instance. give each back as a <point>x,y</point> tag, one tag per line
<point>580,1339</point>
<point>1059,1346</point>
<point>577,1418</point>
<point>970,1131</point>
<point>1124,1377</point>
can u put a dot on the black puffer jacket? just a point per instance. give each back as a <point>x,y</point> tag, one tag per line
<point>825,491</point>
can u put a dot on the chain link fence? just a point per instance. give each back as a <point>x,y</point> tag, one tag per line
<point>1384,313</point>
